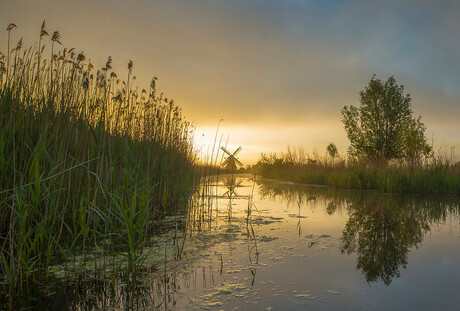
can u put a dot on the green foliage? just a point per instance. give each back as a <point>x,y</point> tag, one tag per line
<point>86,161</point>
<point>437,177</point>
<point>332,150</point>
<point>383,128</point>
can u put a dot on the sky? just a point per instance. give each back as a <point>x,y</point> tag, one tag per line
<point>276,73</point>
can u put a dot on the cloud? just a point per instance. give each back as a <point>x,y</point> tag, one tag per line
<point>268,64</point>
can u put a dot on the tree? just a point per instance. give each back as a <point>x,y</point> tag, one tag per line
<point>332,151</point>
<point>383,128</point>
<point>413,142</point>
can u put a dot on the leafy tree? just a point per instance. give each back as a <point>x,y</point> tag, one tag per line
<point>383,128</point>
<point>332,151</point>
<point>413,143</point>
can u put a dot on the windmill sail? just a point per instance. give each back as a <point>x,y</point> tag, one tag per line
<point>238,162</point>
<point>231,161</point>
<point>225,150</point>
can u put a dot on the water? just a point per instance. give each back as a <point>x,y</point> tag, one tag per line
<point>271,245</point>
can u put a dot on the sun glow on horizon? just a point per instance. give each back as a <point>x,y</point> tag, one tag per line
<point>275,81</point>
<point>259,139</point>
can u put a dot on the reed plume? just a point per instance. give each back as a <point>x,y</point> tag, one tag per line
<point>85,159</point>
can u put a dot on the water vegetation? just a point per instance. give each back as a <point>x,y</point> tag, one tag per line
<point>87,161</point>
<point>436,176</point>
<point>388,150</point>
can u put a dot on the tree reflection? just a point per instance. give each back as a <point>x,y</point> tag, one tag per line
<point>381,229</point>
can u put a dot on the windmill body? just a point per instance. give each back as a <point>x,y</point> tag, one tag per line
<point>231,162</point>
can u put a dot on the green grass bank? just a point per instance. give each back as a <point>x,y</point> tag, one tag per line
<point>437,177</point>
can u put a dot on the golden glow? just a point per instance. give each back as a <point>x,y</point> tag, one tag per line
<point>278,72</point>
<point>257,139</point>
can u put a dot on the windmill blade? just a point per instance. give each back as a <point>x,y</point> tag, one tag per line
<point>238,162</point>
<point>225,162</point>
<point>237,150</point>
<point>225,150</point>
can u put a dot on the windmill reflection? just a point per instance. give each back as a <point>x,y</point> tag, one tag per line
<point>231,183</point>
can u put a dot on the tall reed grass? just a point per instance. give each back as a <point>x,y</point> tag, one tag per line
<point>87,161</point>
<point>436,176</point>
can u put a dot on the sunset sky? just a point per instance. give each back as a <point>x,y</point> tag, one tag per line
<point>276,72</point>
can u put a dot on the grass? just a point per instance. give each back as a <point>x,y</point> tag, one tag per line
<point>436,176</point>
<point>87,161</point>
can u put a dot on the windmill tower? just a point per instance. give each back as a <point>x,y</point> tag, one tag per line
<point>231,161</point>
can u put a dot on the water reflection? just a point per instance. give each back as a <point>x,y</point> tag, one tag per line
<point>381,229</point>
<point>231,183</point>
<point>262,242</point>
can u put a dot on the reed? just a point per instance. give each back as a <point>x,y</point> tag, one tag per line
<point>436,176</point>
<point>86,161</point>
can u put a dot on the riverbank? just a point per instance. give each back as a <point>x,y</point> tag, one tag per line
<point>440,178</point>
<point>87,162</point>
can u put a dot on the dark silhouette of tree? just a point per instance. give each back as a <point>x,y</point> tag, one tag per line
<point>381,228</point>
<point>381,231</point>
<point>383,128</point>
<point>332,151</point>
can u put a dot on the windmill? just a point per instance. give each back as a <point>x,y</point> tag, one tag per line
<point>231,161</point>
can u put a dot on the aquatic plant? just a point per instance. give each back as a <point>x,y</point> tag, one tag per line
<point>86,161</point>
<point>435,176</point>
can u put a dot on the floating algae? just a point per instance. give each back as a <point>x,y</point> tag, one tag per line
<point>267,238</point>
<point>322,236</point>
<point>305,296</point>
<point>266,220</point>
<point>234,271</point>
<point>214,296</point>
<point>229,288</point>
<point>296,216</point>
